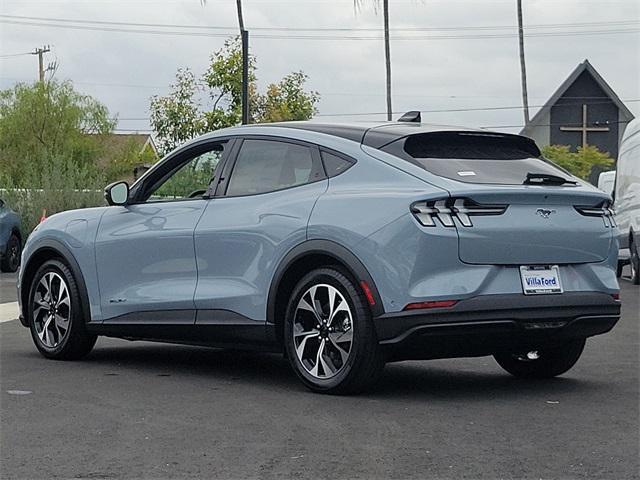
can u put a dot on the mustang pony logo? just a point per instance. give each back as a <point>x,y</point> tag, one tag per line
<point>544,213</point>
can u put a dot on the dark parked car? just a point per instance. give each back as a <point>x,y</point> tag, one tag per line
<point>10,239</point>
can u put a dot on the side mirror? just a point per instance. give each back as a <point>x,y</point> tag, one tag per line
<point>117,193</point>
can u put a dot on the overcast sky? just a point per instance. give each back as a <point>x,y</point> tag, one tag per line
<point>124,69</point>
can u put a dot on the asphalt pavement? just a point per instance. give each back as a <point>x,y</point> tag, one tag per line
<point>143,410</point>
<point>8,291</point>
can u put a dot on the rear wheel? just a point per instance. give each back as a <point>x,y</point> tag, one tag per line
<point>329,335</point>
<point>56,321</point>
<point>544,362</point>
<point>11,259</point>
<point>634,261</point>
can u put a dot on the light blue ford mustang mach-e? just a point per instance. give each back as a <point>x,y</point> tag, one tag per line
<point>343,245</point>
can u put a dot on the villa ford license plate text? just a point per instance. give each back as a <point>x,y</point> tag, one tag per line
<point>540,280</point>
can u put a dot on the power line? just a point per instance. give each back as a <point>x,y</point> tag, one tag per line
<point>7,55</point>
<point>478,109</point>
<point>449,110</point>
<point>546,125</point>
<point>324,29</point>
<point>322,37</point>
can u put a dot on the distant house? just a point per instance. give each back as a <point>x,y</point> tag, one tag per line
<point>584,110</point>
<point>115,143</point>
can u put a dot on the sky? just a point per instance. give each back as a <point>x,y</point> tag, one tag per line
<point>469,71</point>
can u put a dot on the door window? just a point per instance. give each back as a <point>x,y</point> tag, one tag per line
<point>189,179</point>
<point>268,165</point>
<point>333,164</point>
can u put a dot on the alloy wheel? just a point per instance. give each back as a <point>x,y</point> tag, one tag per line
<point>14,254</point>
<point>323,331</point>
<point>51,309</point>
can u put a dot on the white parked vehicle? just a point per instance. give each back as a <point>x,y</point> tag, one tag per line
<point>627,200</point>
<point>606,181</point>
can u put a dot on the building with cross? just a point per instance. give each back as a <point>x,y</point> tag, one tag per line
<point>584,110</point>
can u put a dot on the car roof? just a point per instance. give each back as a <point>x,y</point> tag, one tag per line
<point>373,134</point>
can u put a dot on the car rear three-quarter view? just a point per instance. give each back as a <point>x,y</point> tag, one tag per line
<point>343,246</point>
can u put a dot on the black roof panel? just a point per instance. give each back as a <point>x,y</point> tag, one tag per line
<point>373,134</point>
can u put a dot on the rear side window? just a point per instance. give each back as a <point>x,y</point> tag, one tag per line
<point>333,164</point>
<point>475,157</point>
<point>266,166</point>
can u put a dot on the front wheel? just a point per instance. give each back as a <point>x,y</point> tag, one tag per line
<point>542,363</point>
<point>11,260</point>
<point>56,321</point>
<point>329,336</point>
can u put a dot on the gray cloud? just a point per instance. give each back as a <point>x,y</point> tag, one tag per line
<point>428,74</point>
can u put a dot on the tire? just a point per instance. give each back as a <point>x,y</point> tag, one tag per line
<point>318,357</point>
<point>619,268</point>
<point>11,259</point>
<point>634,261</point>
<point>551,362</point>
<point>55,303</point>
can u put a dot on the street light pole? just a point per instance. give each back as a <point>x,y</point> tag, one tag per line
<point>523,68</point>
<point>245,77</point>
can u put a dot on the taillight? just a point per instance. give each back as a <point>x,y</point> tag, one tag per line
<point>431,304</point>
<point>602,210</point>
<point>448,210</point>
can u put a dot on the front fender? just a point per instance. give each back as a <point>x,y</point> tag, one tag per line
<point>70,236</point>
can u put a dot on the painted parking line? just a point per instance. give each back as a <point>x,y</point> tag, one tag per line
<point>8,311</point>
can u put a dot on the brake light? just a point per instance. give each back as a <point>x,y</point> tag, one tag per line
<point>448,210</point>
<point>432,304</point>
<point>616,296</point>
<point>602,210</point>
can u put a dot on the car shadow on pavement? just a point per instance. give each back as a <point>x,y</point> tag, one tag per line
<point>429,380</point>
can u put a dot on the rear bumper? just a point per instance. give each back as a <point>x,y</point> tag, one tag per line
<point>486,324</point>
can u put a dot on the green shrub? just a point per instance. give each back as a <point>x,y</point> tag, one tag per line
<point>578,163</point>
<point>59,184</point>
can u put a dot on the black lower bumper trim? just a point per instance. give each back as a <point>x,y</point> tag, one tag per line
<point>484,324</point>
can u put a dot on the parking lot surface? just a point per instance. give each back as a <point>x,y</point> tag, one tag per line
<point>143,410</point>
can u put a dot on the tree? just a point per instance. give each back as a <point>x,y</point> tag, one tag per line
<point>579,163</point>
<point>176,117</point>
<point>387,46</point>
<point>286,100</point>
<point>46,119</point>
<point>196,105</point>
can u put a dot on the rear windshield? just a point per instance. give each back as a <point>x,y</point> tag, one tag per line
<point>475,157</point>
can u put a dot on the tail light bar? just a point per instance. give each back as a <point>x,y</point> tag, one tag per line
<point>602,210</point>
<point>448,210</point>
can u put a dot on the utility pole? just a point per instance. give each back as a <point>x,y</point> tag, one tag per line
<point>387,55</point>
<point>244,34</point>
<point>40,52</point>
<point>523,68</point>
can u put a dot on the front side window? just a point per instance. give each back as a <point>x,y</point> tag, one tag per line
<point>268,165</point>
<point>191,179</point>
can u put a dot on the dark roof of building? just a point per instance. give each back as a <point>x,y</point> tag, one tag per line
<point>119,140</point>
<point>584,66</point>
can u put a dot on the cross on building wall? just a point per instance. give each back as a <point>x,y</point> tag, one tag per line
<point>585,128</point>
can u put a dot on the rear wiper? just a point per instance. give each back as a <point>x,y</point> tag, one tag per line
<point>546,179</point>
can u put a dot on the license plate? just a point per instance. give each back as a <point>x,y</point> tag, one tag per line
<point>540,280</point>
